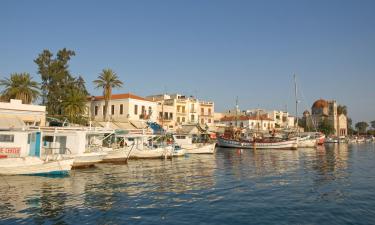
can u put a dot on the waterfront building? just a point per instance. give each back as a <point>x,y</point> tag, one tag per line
<point>183,110</point>
<point>33,115</point>
<point>262,123</point>
<point>282,119</point>
<point>323,110</point>
<point>123,108</point>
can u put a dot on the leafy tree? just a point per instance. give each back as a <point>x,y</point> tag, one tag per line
<point>107,80</point>
<point>326,127</point>
<point>57,82</point>
<point>361,127</point>
<point>20,86</point>
<point>342,109</point>
<point>349,121</point>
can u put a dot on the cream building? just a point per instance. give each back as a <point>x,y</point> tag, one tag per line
<point>183,110</point>
<point>123,108</point>
<point>34,115</point>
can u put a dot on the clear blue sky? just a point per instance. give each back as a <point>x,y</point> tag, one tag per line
<point>215,50</point>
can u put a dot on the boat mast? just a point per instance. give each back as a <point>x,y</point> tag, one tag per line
<point>236,110</point>
<point>295,95</point>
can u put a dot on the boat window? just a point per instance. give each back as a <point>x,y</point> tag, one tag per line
<point>180,137</point>
<point>130,139</point>
<point>6,138</point>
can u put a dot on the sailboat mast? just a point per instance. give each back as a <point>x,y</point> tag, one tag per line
<point>236,110</point>
<point>295,95</point>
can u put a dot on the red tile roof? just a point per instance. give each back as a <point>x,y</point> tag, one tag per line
<point>241,118</point>
<point>120,96</point>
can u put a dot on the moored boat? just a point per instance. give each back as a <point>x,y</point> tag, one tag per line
<point>34,166</point>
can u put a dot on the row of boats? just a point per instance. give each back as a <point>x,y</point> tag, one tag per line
<point>57,150</point>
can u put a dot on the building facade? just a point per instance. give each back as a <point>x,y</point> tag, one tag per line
<point>323,110</point>
<point>261,123</point>
<point>184,110</point>
<point>123,108</point>
<point>34,115</point>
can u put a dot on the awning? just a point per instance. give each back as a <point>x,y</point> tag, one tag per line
<point>9,123</point>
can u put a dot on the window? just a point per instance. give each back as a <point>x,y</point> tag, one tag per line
<point>183,119</point>
<point>209,120</point>
<point>202,111</point>
<point>209,112</point>
<point>103,109</point>
<point>183,109</point>
<point>143,110</point>
<point>192,118</point>
<point>178,108</point>
<point>96,109</point>
<point>6,138</point>
<point>178,119</point>
<point>149,110</point>
<point>135,109</point>
<point>121,109</point>
<point>202,121</point>
<point>192,108</point>
<point>112,109</point>
<point>165,115</point>
<point>161,115</point>
<point>171,116</point>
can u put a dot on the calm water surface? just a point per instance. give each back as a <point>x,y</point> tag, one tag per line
<point>331,185</point>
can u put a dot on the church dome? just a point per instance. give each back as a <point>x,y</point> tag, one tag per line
<point>321,103</point>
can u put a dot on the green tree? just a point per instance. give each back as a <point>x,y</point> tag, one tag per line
<point>74,106</point>
<point>107,80</point>
<point>20,86</point>
<point>57,81</point>
<point>326,127</point>
<point>373,124</point>
<point>342,109</point>
<point>361,127</point>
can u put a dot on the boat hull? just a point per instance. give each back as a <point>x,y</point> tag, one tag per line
<point>34,166</point>
<point>228,143</point>
<point>199,148</point>
<point>307,143</point>
<point>290,145</point>
<point>88,159</point>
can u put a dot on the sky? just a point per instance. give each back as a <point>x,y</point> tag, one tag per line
<point>214,50</point>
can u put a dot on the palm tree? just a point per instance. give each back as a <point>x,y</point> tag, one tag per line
<point>107,80</point>
<point>74,105</point>
<point>20,86</point>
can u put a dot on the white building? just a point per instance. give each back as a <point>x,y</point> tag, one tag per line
<point>30,114</point>
<point>123,108</point>
<point>251,122</point>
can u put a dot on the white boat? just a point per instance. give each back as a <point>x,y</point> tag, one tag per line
<point>186,142</point>
<point>331,140</point>
<point>32,165</point>
<point>141,146</point>
<point>74,143</point>
<point>307,142</point>
<point>20,152</point>
<point>275,144</point>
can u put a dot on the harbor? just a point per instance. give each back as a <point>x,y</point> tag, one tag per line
<point>248,187</point>
<point>187,112</point>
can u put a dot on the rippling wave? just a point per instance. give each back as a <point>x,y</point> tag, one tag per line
<point>331,185</point>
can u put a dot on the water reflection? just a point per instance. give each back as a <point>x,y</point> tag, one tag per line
<point>199,188</point>
<point>101,188</point>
